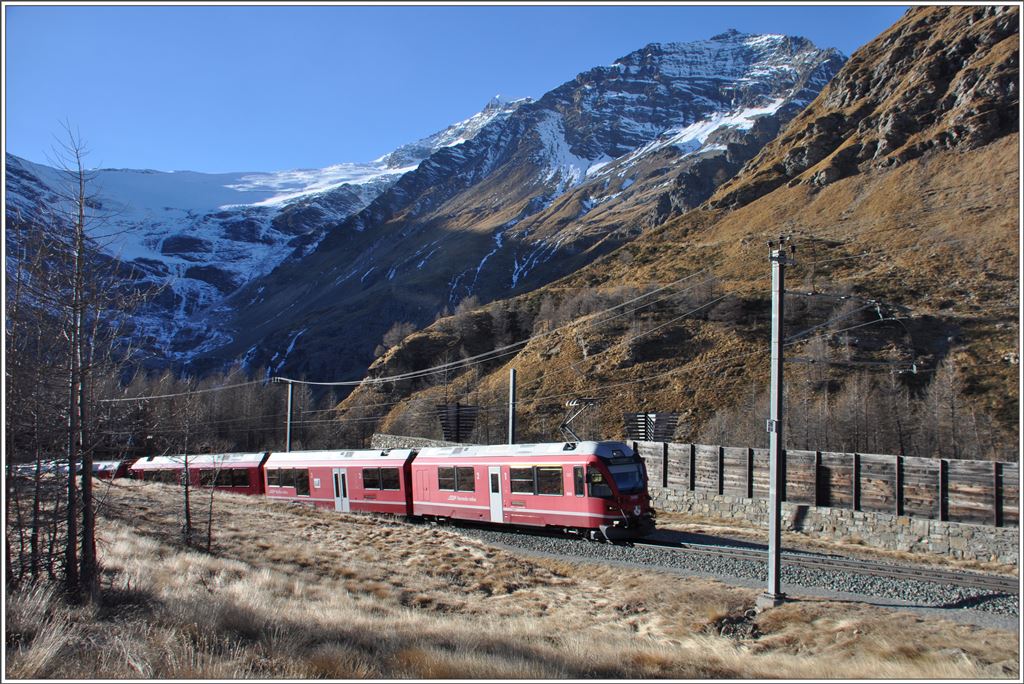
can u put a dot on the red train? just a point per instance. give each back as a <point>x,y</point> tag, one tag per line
<point>591,488</point>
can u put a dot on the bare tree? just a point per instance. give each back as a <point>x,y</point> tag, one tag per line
<point>70,301</point>
<point>398,332</point>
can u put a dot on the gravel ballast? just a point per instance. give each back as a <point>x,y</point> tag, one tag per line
<point>964,604</point>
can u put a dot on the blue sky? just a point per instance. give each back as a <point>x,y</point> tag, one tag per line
<point>247,88</point>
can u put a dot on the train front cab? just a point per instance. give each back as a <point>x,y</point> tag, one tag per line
<point>371,481</point>
<point>598,489</point>
<point>617,478</point>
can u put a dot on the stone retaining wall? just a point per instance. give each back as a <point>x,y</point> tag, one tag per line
<point>899,532</point>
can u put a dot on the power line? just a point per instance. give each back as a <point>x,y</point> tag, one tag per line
<point>491,355</point>
<point>183,394</point>
<point>463,363</point>
<point>483,357</point>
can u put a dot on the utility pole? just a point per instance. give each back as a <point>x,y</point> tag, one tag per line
<point>773,596</point>
<point>511,405</point>
<point>288,417</point>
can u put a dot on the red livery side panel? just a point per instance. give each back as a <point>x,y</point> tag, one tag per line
<point>375,481</point>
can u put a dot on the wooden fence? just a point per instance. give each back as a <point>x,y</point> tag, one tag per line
<point>983,492</point>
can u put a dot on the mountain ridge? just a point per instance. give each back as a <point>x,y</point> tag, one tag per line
<point>502,195</point>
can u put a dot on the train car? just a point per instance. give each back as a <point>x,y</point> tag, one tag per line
<point>238,473</point>
<point>598,489</point>
<point>167,469</point>
<point>373,481</point>
<point>107,470</point>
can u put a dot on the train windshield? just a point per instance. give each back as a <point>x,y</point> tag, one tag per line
<point>629,477</point>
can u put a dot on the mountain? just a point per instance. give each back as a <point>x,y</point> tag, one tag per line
<point>900,186</point>
<point>529,198</point>
<point>201,237</point>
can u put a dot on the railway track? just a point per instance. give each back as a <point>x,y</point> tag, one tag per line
<point>998,583</point>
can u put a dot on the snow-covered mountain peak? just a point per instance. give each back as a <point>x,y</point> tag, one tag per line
<point>729,55</point>
<point>496,109</point>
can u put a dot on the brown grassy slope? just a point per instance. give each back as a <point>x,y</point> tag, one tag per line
<point>930,224</point>
<point>940,78</point>
<point>937,235</point>
<point>298,593</point>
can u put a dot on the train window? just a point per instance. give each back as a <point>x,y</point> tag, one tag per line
<point>465,479</point>
<point>371,478</point>
<point>549,480</point>
<point>167,476</point>
<point>521,480</point>
<point>446,478</point>
<point>578,481</point>
<point>389,478</point>
<point>300,480</point>
<point>287,477</point>
<point>598,486</point>
<point>230,477</point>
<point>629,478</point>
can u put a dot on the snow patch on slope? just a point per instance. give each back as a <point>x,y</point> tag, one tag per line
<point>289,186</point>
<point>560,162</point>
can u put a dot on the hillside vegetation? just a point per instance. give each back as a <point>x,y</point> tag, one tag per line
<point>292,592</point>
<point>899,185</point>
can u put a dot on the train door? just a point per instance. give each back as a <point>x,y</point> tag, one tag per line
<point>494,481</point>
<point>341,490</point>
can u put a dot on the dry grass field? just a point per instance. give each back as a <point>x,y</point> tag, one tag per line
<point>292,592</point>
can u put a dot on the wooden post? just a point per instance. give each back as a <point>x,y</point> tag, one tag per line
<point>664,464</point>
<point>855,480</point>
<point>750,473</point>
<point>943,489</point>
<point>997,494</point>
<point>817,478</point>
<point>898,485</point>
<point>721,470</point>
<point>693,465</point>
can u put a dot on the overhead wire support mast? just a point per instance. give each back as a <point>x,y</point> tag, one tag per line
<point>773,595</point>
<point>511,405</point>
<point>288,417</point>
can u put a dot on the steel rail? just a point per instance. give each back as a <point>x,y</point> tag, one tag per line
<point>1000,583</point>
